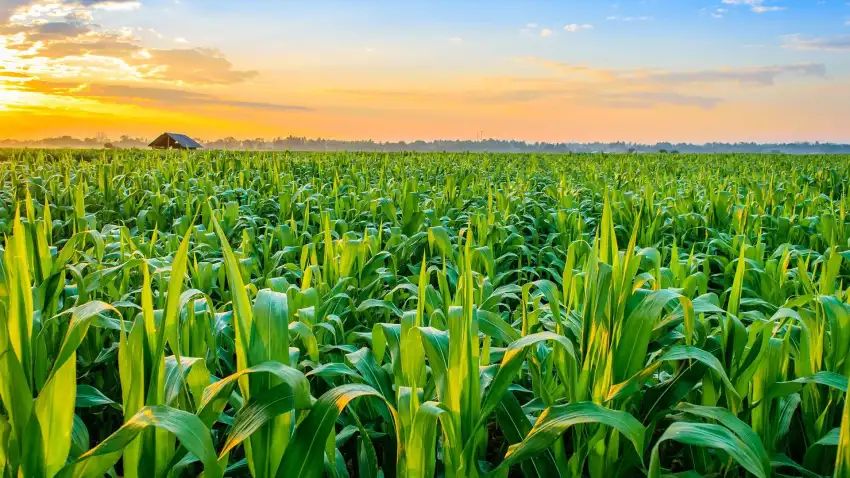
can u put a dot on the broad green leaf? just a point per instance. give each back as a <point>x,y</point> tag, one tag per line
<point>307,445</point>
<point>710,436</point>
<point>188,428</point>
<point>556,420</point>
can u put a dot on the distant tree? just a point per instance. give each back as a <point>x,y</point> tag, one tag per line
<point>230,142</point>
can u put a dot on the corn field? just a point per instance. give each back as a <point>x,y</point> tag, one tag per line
<point>423,315</point>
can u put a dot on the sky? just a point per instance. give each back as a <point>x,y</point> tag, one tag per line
<point>569,70</point>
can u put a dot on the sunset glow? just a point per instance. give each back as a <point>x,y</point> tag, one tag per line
<point>730,70</point>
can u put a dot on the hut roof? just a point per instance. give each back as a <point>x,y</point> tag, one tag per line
<point>174,140</point>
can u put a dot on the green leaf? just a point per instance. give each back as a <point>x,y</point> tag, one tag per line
<point>511,363</point>
<point>829,379</point>
<point>307,446</point>
<point>515,425</point>
<point>681,352</point>
<point>733,423</point>
<point>421,454</point>
<point>379,304</point>
<point>710,436</point>
<point>556,420</point>
<point>88,396</point>
<point>188,428</point>
<point>217,394</point>
<point>261,409</point>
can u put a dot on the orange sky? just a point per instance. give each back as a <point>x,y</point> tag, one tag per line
<point>129,67</point>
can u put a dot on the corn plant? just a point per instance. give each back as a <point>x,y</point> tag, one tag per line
<point>423,315</point>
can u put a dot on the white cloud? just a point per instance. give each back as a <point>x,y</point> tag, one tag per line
<point>29,13</point>
<point>575,27</point>
<point>801,42</point>
<point>116,6</point>
<point>756,6</point>
<point>719,12</point>
<point>765,9</point>
<point>629,19</point>
<point>456,39</point>
<point>181,40</point>
<point>535,30</point>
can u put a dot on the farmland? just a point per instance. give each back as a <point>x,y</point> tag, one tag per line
<point>423,314</point>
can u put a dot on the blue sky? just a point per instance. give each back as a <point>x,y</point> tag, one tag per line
<point>401,69</point>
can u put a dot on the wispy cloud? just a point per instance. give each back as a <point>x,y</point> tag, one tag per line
<point>146,96</point>
<point>756,6</point>
<point>618,18</point>
<point>602,88</point>
<point>759,75</point>
<point>801,42</point>
<point>575,27</point>
<point>715,13</point>
<point>766,8</point>
<point>536,30</point>
<point>112,5</point>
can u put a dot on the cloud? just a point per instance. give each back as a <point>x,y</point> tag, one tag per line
<point>801,42</point>
<point>759,75</point>
<point>575,27</point>
<point>104,45</point>
<point>74,40</point>
<point>617,18</point>
<point>765,9</point>
<point>202,66</point>
<point>146,96</point>
<point>715,13</point>
<point>594,87</point>
<point>60,38</point>
<point>762,75</point>
<point>456,40</point>
<point>13,75</point>
<point>108,4</point>
<point>533,29</point>
<point>648,99</point>
<point>599,87</point>
<point>572,70</point>
<point>756,6</point>
<point>7,7</point>
<point>61,29</point>
<point>546,91</point>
